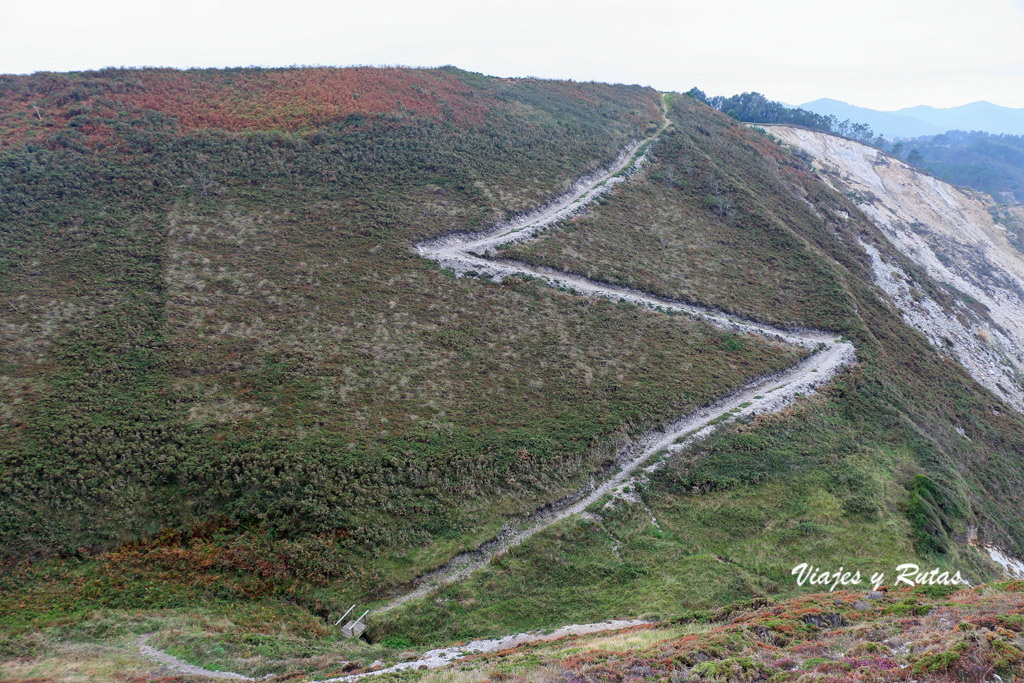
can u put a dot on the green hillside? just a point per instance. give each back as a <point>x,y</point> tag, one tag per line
<point>872,470</point>
<point>235,400</point>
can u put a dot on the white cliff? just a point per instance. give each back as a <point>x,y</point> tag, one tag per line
<point>952,235</point>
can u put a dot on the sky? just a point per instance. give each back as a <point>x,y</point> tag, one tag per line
<point>880,54</point>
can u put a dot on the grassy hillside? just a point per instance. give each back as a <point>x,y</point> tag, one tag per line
<point>221,349</point>
<point>235,400</point>
<point>920,634</point>
<point>708,222</point>
<point>735,198</point>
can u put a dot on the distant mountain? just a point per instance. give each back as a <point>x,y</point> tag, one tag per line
<point>925,120</point>
<point>889,124</point>
<point>983,116</point>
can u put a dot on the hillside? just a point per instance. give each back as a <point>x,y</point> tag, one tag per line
<point>211,333</point>
<point>970,635</point>
<point>242,391</point>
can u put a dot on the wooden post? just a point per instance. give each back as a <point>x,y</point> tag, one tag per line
<point>344,615</point>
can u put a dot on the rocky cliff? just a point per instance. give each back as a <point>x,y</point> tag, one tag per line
<point>956,236</point>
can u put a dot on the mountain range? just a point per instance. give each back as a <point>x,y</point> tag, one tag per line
<point>925,120</point>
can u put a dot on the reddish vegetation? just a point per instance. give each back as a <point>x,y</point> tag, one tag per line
<point>191,564</point>
<point>231,100</point>
<point>971,635</point>
<point>300,98</point>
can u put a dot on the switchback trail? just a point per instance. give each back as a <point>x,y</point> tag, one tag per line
<point>474,254</point>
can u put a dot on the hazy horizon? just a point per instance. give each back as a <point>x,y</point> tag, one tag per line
<point>435,66</point>
<point>898,109</point>
<point>940,53</point>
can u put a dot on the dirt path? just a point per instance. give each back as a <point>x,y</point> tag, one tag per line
<point>467,253</point>
<point>435,659</point>
<point>172,662</point>
<point>432,659</point>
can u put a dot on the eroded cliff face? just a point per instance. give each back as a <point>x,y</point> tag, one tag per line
<point>954,236</point>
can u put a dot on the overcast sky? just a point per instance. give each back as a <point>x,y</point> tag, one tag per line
<point>882,54</point>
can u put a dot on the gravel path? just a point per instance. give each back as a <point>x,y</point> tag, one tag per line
<point>432,659</point>
<point>172,662</point>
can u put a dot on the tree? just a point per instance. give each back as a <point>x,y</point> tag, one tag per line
<point>698,94</point>
<point>861,132</point>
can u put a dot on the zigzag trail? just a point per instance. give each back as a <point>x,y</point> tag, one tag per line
<point>473,253</point>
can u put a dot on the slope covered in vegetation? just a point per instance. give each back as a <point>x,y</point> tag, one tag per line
<point>221,349</point>
<point>42,105</point>
<point>877,464</point>
<point>230,380</point>
<point>927,633</point>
